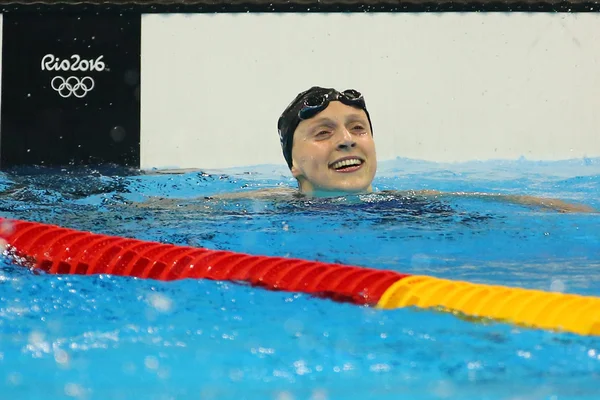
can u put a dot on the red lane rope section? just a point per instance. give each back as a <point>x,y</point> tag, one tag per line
<point>59,250</point>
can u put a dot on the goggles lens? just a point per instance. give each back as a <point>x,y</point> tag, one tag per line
<point>316,103</point>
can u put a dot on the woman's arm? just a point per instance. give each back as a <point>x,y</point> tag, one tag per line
<point>549,203</point>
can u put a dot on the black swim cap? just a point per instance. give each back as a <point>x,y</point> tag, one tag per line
<point>308,104</point>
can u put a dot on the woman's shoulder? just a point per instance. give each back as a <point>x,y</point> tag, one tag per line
<point>279,193</point>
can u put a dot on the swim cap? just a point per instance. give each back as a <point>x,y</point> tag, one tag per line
<point>308,104</point>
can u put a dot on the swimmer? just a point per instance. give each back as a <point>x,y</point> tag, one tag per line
<point>327,142</point>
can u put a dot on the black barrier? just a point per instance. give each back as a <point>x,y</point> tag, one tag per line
<point>235,6</point>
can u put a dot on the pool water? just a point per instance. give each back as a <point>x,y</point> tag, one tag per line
<point>100,337</point>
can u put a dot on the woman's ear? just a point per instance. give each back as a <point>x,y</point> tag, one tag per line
<point>295,171</point>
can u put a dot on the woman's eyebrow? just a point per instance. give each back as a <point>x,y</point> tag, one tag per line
<point>323,121</point>
<point>355,118</point>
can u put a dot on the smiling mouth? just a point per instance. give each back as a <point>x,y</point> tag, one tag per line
<point>347,165</point>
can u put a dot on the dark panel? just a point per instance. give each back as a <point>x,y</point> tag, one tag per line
<point>70,89</point>
<point>235,6</point>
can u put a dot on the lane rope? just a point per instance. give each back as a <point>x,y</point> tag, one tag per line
<point>58,250</point>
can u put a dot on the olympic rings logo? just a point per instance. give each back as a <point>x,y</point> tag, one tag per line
<point>72,86</point>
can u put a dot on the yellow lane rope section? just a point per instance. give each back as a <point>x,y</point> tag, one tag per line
<point>527,307</point>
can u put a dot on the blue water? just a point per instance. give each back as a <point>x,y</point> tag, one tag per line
<point>105,337</point>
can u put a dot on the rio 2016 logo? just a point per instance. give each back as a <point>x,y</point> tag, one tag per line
<point>72,85</point>
<point>75,63</point>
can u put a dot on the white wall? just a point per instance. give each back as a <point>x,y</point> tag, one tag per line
<point>442,87</point>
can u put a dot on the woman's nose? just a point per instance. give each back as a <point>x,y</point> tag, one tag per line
<point>346,141</point>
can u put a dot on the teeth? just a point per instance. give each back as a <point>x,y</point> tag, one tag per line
<point>346,163</point>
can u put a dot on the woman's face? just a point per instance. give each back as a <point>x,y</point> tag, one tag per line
<point>334,151</point>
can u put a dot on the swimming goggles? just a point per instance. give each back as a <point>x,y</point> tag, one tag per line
<point>317,102</point>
